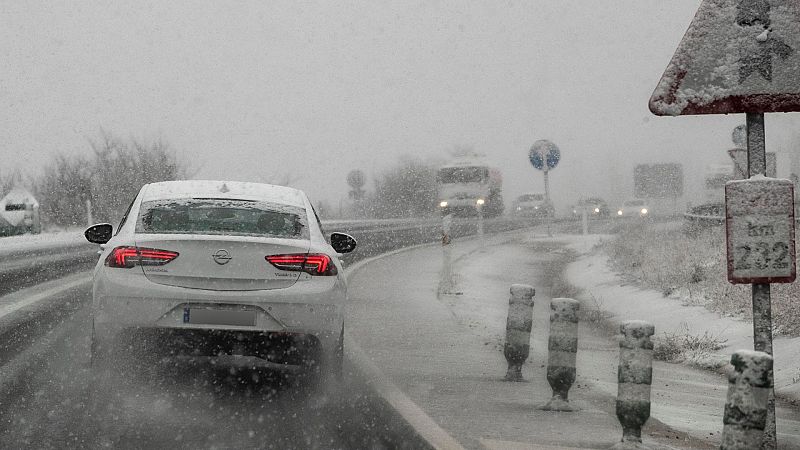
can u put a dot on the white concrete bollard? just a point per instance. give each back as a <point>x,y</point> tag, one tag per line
<point>562,351</point>
<point>518,329</point>
<point>749,386</point>
<point>634,375</point>
<point>446,279</point>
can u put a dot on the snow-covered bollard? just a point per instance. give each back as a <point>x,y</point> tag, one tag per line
<point>749,386</point>
<point>562,351</point>
<point>634,376</point>
<point>518,329</point>
<point>446,280</point>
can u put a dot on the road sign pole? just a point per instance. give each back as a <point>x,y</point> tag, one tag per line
<point>547,198</point>
<point>546,184</point>
<point>762,303</point>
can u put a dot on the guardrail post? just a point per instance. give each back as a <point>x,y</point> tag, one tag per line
<point>634,376</point>
<point>518,329</point>
<point>562,351</point>
<point>749,386</point>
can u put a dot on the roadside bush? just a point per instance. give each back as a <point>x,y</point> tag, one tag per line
<point>683,346</point>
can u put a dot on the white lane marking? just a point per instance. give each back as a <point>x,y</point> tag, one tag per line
<point>493,444</point>
<point>421,422</point>
<point>8,303</point>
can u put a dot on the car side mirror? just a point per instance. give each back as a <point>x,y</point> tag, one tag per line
<point>99,234</point>
<point>343,243</point>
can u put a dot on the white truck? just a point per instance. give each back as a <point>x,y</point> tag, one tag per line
<point>467,186</point>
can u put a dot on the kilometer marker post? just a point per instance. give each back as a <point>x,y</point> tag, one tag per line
<point>754,73</point>
<point>760,238</point>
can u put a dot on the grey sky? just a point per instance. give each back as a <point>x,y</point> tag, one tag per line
<point>252,89</point>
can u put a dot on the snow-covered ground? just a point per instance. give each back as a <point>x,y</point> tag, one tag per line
<point>592,273</point>
<point>29,242</point>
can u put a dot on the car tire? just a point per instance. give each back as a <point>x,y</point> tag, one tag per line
<point>325,373</point>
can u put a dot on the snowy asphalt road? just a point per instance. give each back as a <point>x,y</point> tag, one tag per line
<point>44,388</point>
<point>45,371</point>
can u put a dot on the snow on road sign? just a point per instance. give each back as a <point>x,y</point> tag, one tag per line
<point>737,56</point>
<point>759,215</point>
<point>544,151</point>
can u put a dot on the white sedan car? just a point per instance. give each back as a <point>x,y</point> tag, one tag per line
<point>210,268</point>
<point>634,208</point>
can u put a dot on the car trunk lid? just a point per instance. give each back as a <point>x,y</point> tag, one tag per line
<point>222,262</point>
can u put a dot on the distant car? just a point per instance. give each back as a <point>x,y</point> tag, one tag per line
<point>211,268</point>
<point>533,205</point>
<point>595,207</point>
<point>634,208</point>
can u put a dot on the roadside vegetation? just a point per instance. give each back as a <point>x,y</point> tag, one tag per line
<point>692,268</point>
<point>685,346</point>
<point>103,179</point>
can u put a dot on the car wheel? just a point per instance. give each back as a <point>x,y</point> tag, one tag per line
<point>325,370</point>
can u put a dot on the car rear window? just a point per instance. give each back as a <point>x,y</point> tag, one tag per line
<point>222,217</point>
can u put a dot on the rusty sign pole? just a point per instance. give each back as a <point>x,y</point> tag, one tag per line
<point>762,303</point>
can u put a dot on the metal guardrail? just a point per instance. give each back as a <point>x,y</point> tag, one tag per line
<point>27,267</point>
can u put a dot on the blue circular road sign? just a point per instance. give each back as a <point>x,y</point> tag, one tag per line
<point>542,152</point>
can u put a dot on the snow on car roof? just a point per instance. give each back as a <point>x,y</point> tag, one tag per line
<point>223,189</point>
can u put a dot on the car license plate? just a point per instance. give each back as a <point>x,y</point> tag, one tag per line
<point>210,316</point>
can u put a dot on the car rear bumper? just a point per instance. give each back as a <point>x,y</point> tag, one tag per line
<point>126,301</point>
<point>285,349</point>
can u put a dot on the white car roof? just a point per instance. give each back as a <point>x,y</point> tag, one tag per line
<point>223,189</point>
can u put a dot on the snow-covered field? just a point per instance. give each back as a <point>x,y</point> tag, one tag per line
<point>593,274</point>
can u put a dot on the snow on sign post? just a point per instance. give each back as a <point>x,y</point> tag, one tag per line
<point>742,56</point>
<point>759,220</point>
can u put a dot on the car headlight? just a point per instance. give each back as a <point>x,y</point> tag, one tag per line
<point>619,213</point>
<point>480,201</point>
<point>597,210</point>
<point>644,210</point>
<point>443,204</point>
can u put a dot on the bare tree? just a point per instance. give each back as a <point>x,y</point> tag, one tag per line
<point>407,190</point>
<point>8,180</point>
<point>110,177</point>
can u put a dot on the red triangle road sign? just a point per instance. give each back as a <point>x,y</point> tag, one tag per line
<point>737,56</point>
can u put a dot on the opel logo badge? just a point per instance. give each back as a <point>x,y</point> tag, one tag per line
<point>221,257</point>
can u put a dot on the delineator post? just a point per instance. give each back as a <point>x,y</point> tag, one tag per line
<point>562,351</point>
<point>518,329</point>
<point>634,376</point>
<point>749,385</point>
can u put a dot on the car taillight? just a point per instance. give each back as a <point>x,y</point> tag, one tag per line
<point>314,264</point>
<point>127,257</point>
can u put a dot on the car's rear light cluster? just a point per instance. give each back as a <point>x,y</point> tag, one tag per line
<point>126,257</point>
<point>313,263</point>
